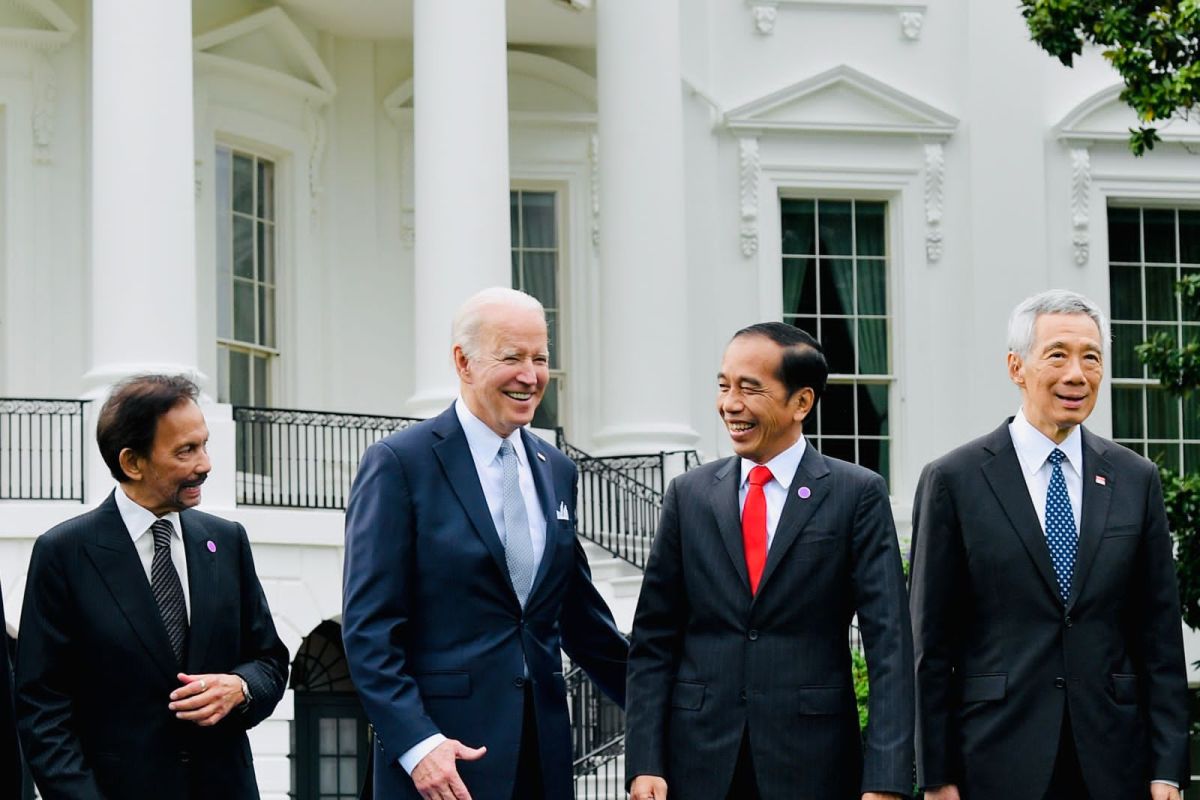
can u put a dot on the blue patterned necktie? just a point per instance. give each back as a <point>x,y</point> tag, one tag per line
<point>518,546</point>
<point>168,591</point>
<point>1060,525</point>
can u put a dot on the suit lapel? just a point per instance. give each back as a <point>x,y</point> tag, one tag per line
<point>116,559</point>
<point>1003,474</point>
<point>797,511</point>
<point>543,479</point>
<point>1096,498</point>
<point>203,588</point>
<point>726,508</point>
<point>455,456</point>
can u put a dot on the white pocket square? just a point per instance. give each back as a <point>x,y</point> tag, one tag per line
<point>562,511</point>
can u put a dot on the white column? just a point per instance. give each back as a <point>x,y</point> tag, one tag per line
<point>143,227</point>
<point>644,402</point>
<point>460,132</point>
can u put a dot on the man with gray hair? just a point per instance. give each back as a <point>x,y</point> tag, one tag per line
<point>1046,621</point>
<point>464,581</point>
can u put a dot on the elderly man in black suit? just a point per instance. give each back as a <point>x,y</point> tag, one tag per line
<point>1044,602</point>
<point>10,751</point>
<point>147,648</point>
<point>739,671</point>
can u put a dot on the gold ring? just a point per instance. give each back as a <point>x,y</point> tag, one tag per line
<point>203,685</point>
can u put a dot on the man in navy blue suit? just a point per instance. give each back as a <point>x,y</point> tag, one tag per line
<point>464,581</point>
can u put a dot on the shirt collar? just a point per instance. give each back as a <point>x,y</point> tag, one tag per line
<point>483,441</point>
<point>138,519</point>
<point>783,466</point>
<point>1034,447</point>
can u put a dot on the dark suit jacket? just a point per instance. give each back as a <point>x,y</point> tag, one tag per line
<point>707,660</point>
<point>95,667</point>
<point>1000,658</point>
<point>434,634</point>
<point>10,751</point>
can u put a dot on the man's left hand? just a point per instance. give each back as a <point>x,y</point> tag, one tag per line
<point>206,699</point>
<point>884,796</point>
<point>1163,791</point>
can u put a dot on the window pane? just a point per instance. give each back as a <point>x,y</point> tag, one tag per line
<point>872,409</point>
<point>833,224</point>
<point>1191,308</point>
<point>1124,242</point>
<point>1191,416</point>
<point>872,347</point>
<point>872,287</point>
<point>537,219</point>
<point>838,448</point>
<point>516,269</point>
<point>243,311</point>
<point>1125,361</point>
<point>329,781</point>
<point>799,286</point>
<point>868,228</point>
<point>1169,331</point>
<point>239,378</point>
<point>1165,454</point>
<point>1136,447</point>
<point>873,454</point>
<point>261,395</point>
<point>347,736</point>
<point>838,339</point>
<point>348,769</point>
<point>1191,457</point>
<point>243,247</point>
<point>1125,292</point>
<point>514,220</point>
<point>1159,227</point>
<point>1127,412</point>
<point>837,409</point>
<point>808,325</point>
<point>540,277</point>
<point>266,190</point>
<point>837,286</point>
<point>1162,415</point>
<point>266,253</point>
<point>797,222</point>
<point>546,415</point>
<point>222,375</point>
<point>1189,236</point>
<point>1160,293</point>
<point>243,183</point>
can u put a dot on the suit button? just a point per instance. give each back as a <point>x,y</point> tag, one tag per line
<point>519,683</point>
<point>1060,683</point>
<point>1068,621</point>
<point>752,635</point>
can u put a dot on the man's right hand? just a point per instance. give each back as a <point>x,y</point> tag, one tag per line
<point>947,792</point>
<point>648,787</point>
<point>436,775</point>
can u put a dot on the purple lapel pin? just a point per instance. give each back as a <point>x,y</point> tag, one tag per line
<point>804,492</point>
<point>212,546</point>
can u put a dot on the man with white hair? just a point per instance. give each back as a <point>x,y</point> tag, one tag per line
<point>1046,621</point>
<point>464,581</point>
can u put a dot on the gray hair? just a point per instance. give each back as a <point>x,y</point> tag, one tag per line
<point>464,332</point>
<point>1052,301</point>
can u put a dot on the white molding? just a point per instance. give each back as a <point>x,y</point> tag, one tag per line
<point>930,121</point>
<point>750,174</point>
<point>63,28</point>
<point>594,187</point>
<point>42,44</point>
<point>1081,187</point>
<point>319,88</point>
<point>45,106</point>
<point>314,126</point>
<point>1074,130</point>
<point>765,13</point>
<point>935,179</point>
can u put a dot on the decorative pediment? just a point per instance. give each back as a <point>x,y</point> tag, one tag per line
<point>842,100</point>
<point>269,48</point>
<point>35,23</point>
<point>1105,117</point>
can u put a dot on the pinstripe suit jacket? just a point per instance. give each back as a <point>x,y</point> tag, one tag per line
<point>709,661</point>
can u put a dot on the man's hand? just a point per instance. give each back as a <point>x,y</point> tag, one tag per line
<point>947,792</point>
<point>881,796</point>
<point>648,787</point>
<point>206,699</point>
<point>1163,791</point>
<point>436,776</point>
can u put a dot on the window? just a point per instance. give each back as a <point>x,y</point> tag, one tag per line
<point>535,257</point>
<point>1149,249</point>
<point>246,277</point>
<point>835,287</point>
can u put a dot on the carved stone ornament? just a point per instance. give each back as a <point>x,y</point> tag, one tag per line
<point>750,171</point>
<point>910,24</point>
<point>594,186</point>
<point>765,15</point>
<point>935,178</point>
<point>315,124</point>
<point>45,95</point>
<point>1081,185</point>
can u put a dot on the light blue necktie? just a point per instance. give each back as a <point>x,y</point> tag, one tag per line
<point>518,546</point>
<point>1060,525</point>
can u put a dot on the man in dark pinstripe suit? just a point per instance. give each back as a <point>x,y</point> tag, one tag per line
<point>739,674</point>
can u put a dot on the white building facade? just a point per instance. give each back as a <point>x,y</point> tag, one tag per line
<point>290,199</point>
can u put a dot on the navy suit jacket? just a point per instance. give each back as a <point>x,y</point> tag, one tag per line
<point>435,636</point>
<point>10,752</point>
<point>95,667</point>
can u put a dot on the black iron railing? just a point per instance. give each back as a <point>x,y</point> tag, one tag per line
<point>41,449</point>
<point>597,738</point>
<point>303,459</point>
<point>600,774</point>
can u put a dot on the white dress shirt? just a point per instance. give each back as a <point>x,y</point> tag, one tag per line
<point>1033,448</point>
<point>138,521</point>
<point>783,468</point>
<point>485,452</point>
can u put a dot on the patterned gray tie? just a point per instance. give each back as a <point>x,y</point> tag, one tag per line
<point>168,591</point>
<point>518,546</point>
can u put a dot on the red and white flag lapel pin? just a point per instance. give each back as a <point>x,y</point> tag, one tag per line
<point>1101,480</point>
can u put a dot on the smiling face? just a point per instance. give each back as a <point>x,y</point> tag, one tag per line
<point>1061,376</point>
<point>760,416</point>
<point>503,382</point>
<point>168,478</point>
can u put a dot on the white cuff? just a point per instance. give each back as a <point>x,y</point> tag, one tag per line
<point>413,755</point>
<point>1172,784</point>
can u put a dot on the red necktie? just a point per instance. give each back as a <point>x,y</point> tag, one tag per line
<point>754,526</point>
